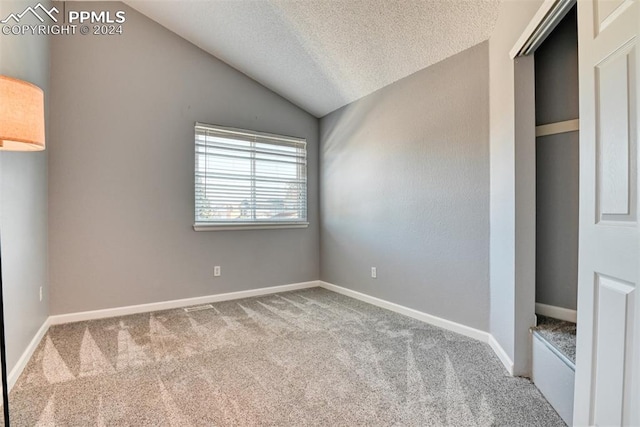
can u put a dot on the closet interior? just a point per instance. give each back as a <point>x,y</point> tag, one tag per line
<point>557,175</point>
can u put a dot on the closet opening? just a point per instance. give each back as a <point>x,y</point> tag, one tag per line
<point>556,214</point>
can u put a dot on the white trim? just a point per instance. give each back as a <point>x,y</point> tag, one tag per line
<point>558,127</point>
<point>564,359</point>
<point>167,305</point>
<point>557,312</point>
<point>248,226</point>
<point>15,373</point>
<point>537,19</point>
<point>502,355</point>
<point>541,25</point>
<point>250,133</point>
<point>467,331</point>
<point>424,317</point>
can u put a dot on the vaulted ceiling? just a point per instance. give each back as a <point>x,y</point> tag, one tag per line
<point>324,54</point>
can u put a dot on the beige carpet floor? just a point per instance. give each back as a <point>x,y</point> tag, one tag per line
<point>309,357</point>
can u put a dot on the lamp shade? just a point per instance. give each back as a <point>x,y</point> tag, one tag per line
<point>21,115</point>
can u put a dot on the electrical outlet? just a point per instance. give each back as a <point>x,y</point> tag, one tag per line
<point>374,273</point>
<point>40,293</point>
<point>216,271</point>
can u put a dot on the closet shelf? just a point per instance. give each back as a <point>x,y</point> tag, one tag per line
<point>558,127</point>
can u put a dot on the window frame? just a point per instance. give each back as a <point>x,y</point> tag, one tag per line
<point>250,224</point>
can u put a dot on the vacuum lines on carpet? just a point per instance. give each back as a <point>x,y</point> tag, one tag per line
<point>307,357</point>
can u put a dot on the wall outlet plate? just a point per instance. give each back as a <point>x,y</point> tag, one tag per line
<point>374,273</point>
<point>216,271</point>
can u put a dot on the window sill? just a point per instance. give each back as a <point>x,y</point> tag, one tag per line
<point>249,226</point>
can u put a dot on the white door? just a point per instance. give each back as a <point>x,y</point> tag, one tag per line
<point>608,360</point>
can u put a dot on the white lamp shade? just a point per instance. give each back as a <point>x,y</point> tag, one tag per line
<point>21,115</point>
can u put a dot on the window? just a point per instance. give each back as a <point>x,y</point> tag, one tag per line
<point>247,179</point>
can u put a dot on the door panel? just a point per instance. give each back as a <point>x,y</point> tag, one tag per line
<point>614,306</point>
<point>606,12</point>
<point>616,142</point>
<point>608,360</point>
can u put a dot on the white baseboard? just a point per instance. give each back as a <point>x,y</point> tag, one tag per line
<point>17,369</point>
<point>502,355</point>
<point>167,305</point>
<point>557,312</point>
<point>428,318</point>
<point>424,317</point>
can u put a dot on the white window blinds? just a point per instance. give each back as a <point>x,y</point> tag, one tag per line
<point>247,178</point>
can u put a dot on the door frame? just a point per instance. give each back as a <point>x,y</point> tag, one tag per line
<point>541,25</point>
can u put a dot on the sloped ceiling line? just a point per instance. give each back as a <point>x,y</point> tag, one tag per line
<point>324,54</point>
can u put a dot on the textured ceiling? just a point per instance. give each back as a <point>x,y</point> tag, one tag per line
<point>323,54</point>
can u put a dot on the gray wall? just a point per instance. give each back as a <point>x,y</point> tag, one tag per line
<point>405,188</point>
<point>121,172</point>
<point>23,200</point>
<point>508,294</point>
<point>556,62</point>
<point>557,220</point>
<point>557,163</point>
